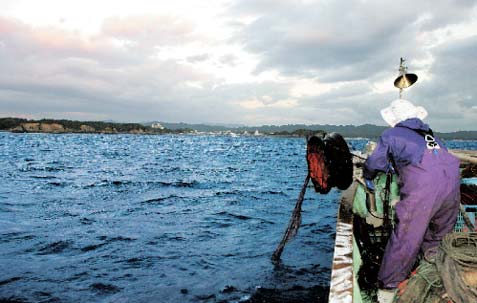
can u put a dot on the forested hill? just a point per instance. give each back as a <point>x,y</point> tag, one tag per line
<point>297,130</point>
<point>19,125</point>
<point>365,131</point>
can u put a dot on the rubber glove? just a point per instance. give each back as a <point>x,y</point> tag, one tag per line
<point>369,184</point>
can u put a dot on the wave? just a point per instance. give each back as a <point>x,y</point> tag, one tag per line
<point>296,293</point>
<point>43,177</point>
<point>121,183</point>
<point>30,167</point>
<point>104,289</point>
<point>170,237</point>
<point>55,248</point>
<point>16,236</point>
<point>140,262</point>
<point>106,240</point>
<point>87,221</point>
<point>92,247</point>
<point>228,216</point>
<point>234,216</point>
<point>57,184</point>
<point>159,199</point>
<point>10,280</point>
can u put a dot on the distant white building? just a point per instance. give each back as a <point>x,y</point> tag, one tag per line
<point>157,125</point>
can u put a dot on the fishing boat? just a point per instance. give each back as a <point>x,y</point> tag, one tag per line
<point>363,227</point>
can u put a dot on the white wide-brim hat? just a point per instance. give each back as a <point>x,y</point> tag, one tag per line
<point>401,110</point>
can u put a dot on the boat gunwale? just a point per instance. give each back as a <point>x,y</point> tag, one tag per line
<point>341,282</point>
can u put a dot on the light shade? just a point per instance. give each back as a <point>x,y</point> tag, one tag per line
<point>405,80</point>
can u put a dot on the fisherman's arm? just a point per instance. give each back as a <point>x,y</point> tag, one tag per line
<point>378,161</point>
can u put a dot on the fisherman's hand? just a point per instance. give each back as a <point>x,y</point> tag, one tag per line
<point>369,184</point>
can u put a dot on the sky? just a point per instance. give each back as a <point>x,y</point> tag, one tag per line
<point>237,61</point>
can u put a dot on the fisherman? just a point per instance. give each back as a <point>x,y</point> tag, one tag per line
<point>429,184</point>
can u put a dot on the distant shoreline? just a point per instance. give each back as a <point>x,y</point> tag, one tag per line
<point>18,125</point>
<point>53,126</point>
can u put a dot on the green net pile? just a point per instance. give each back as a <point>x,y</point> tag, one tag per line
<point>457,263</point>
<point>451,276</point>
<point>423,287</point>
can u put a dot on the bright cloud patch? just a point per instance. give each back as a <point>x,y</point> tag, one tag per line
<point>267,102</point>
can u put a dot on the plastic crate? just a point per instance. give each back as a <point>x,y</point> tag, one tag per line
<point>460,225</point>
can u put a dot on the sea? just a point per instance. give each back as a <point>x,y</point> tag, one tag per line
<point>161,218</point>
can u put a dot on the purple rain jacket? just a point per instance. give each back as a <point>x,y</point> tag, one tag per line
<point>429,185</point>
<point>405,145</point>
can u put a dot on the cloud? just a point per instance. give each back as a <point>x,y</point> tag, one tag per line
<point>150,30</point>
<point>48,69</point>
<point>360,43</point>
<point>343,40</point>
<point>267,101</point>
<point>95,78</point>
<point>451,95</point>
<point>198,58</point>
<point>229,59</point>
<point>257,62</point>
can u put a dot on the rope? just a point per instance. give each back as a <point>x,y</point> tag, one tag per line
<point>358,156</point>
<point>293,225</point>
<point>456,258</point>
<point>423,287</point>
<point>462,248</point>
<point>387,226</point>
<point>428,272</point>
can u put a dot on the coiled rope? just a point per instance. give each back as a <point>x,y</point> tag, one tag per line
<point>457,263</point>
<point>462,248</point>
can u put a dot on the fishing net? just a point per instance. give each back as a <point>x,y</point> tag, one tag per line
<point>457,264</point>
<point>424,286</point>
<point>293,225</point>
<point>451,276</point>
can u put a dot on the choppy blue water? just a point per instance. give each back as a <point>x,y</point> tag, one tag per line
<point>129,218</point>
